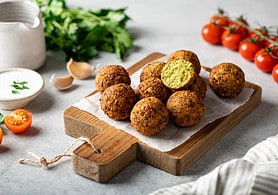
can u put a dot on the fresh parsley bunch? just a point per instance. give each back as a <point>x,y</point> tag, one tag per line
<point>81,33</point>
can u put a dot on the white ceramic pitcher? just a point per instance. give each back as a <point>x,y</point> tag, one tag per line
<point>22,41</point>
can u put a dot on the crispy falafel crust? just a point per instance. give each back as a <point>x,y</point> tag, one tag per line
<point>152,69</point>
<point>153,87</point>
<point>227,80</point>
<point>199,86</point>
<point>110,75</point>
<point>117,101</point>
<point>186,108</point>
<point>149,116</point>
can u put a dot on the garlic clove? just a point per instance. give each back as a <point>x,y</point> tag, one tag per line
<point>80,70</point>
<point>62,83</point>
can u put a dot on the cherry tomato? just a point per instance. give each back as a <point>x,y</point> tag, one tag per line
<point>231,39</point>
<point>18,121</point>
<point>265,59</point>
<point>248,49</point>
<point>212,33</point>
<point>274,39</point>
<point>1,135</point>
<point>258,34</point>
<point>220,18</point>
<point>241,26</point>
<point>275,73</point>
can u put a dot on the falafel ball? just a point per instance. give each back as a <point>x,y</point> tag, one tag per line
<point>186,55</point>
<point>152,69</point>
<point>227,80</point>
<point>117,101</point>
<point>178,74</point>
<point>149,116</point>
<point>186,108</point>
<point>153,87</point>
<point>199,86</point>
<point>110,75</point>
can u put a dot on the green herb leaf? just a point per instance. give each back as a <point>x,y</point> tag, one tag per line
<point>81,33</point>
<point>2,116</point>
<point>19,86</point>
<point>15,92</point>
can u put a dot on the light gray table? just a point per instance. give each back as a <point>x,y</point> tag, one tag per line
<point>156,26</point>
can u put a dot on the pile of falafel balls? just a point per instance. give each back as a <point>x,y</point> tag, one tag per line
<point>171,91</point>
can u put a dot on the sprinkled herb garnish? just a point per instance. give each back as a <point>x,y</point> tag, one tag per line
<point>19,86</point>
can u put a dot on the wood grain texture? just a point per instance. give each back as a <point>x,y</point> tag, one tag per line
<point>118,149</point>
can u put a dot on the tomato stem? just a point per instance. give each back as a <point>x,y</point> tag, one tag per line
<point>275,43</point>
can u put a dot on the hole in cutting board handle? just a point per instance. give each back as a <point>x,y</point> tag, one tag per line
<point>97,151</point>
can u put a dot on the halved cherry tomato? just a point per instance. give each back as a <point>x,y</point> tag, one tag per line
<point>248,49</point>
<point>1,135</point>
<point>18,121</point>
<point>212,33</point>
<point>266,59</point>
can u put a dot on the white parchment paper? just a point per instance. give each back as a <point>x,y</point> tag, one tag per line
<point>172,136</point>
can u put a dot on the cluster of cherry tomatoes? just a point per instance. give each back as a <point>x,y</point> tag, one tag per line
<point>256,45</point>
<point>18,121</point>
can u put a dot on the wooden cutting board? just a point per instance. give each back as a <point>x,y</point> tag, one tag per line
<point>117,149</point>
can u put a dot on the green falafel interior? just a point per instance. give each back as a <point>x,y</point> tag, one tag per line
<point>177,74</point>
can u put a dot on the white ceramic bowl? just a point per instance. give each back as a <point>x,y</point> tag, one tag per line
<point>15,94</point>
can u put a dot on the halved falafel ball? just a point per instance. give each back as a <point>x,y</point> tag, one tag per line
<point>117,101</point>
<point>186,108</point>
<point>178,74</point>
<point>227,80</point>
<point>110,75</point>
<point>152,69</point>
<point>186,55</point>
<point>149,116</point>
<point>153,87</point>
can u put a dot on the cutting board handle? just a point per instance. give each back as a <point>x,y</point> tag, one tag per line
<point>115,150</point>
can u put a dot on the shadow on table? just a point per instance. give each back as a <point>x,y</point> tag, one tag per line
<point>3,149</point>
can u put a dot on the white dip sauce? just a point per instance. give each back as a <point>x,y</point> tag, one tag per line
<point>8,76</point>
